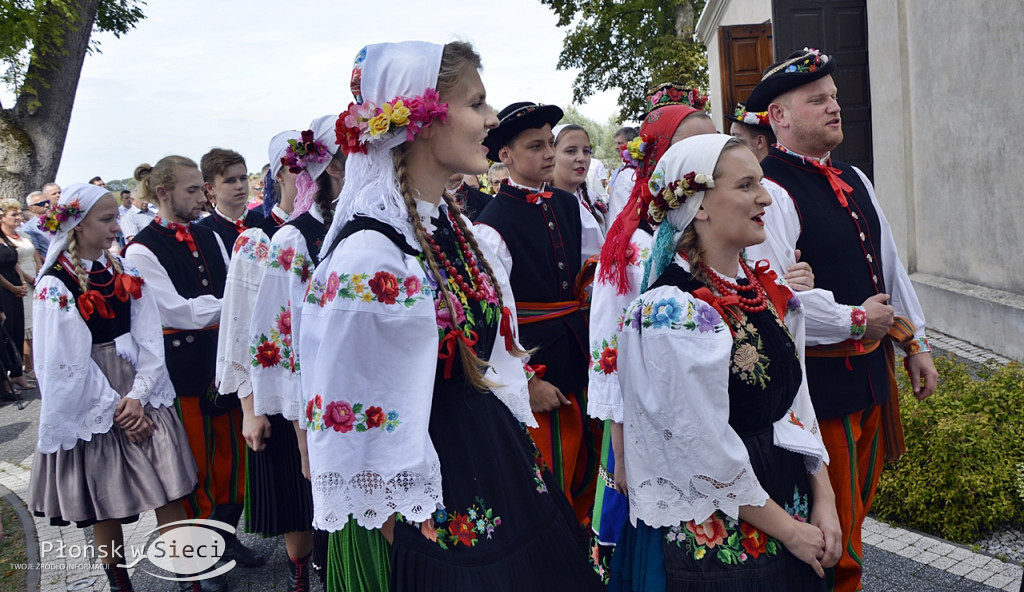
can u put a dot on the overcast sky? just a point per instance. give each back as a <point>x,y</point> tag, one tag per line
<point>197,74</point>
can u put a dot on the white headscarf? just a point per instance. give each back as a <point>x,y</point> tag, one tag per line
<point>306,185</point>
<point>278,145</point>
<point>381,73</point>
<point>82,197</point>
<point>698,155</point>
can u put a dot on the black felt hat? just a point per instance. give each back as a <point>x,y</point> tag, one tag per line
<point>800,68</point>
<point>518,117</point>
<point>758,119</point>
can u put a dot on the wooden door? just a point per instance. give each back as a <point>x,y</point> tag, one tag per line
<point>746,52</point>
<point>840,29</point>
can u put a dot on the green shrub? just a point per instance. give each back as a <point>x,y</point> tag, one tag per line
<point>959,478</point>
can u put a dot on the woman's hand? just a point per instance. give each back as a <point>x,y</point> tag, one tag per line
<point>388,529</point>
<point>129,414</point>
<point>621,485</point>
<point>143,432</point>
<point>807,543</point>
<point>255,430</point>
<point>824,516</point>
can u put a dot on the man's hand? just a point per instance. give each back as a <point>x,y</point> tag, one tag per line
<point>545,396</point>
<point>923,375</point>
<point>879,316</point>
<point>799,275</point>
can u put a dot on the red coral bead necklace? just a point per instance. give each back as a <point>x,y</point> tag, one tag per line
<point>724,287</point>
<point>477,294</point>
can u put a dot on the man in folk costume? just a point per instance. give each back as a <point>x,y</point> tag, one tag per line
<point>227,181</point>
<point>825,212</point>
<point>537,231</point>
<point>187,264</point>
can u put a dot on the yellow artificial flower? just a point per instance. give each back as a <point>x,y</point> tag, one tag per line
<point>701,551</point>
<point>398,114</point>
<point>368,297</point>
<point>379,125</point>
<point>634,148</point>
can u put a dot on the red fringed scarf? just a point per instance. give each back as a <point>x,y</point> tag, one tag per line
<point>660,125</point>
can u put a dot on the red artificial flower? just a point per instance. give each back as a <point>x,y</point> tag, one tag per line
<point>756,542</point>
<point>385,287</point>
<point>339,416</point>
<point>347,137</point>
<point>412,285</point>
<point>375,416</point>
<point>674,94</point>
<point>63,301</point>
<point>461,529</point>
<point>309,410</point>
<point>608,359</point>
<point>304,272</point>
<point>268,354</point>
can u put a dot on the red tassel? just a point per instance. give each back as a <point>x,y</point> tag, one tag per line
<point>849,366</point>
<point>505,329</point>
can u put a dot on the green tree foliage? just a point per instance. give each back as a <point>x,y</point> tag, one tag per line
<point>630,45</point>
<point>32,30</point>
<point>43,44</point>
<point>965,443</point>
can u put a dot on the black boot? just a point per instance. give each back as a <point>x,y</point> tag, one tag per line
<point>243,556</point>
<point>118,578</point>
<point>298,574</point>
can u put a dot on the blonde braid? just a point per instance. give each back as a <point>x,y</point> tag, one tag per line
<point>516,351</point>
<point>689,247</point>
<point>115,263</point>
<point>474,368</point>
<point>76,261</point>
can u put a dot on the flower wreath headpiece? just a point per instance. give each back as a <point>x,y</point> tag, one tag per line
<point>59,214</point>
<point>303,152</point>
<point>675,193</point>
<point>634,150</point>
<point>364,124</point>
<point>750,117</point>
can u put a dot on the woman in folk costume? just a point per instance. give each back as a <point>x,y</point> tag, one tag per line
<point>726,489</point>
<point>413,379</point>
<point>672,117</point>
<point>110,444</point>
<point>573,154</point>
<point>281,497</point>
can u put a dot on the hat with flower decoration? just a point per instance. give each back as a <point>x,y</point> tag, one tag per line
<point>673,93</point>
<point>517,118</point>
<point>758,119</point>
<point>800,68</point>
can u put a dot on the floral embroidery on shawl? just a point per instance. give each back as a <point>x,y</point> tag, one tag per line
<point>342,416</point>
<point>669,313</point>
<point>56,296</point>
<point>276,349</point>
<point>382,286</point>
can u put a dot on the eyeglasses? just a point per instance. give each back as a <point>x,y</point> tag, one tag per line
<point>41,204</point>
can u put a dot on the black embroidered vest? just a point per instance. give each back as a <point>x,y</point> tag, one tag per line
<point>843,247</point>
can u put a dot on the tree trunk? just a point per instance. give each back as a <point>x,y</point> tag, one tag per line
<point>32,134</point>
<point>684,20</point>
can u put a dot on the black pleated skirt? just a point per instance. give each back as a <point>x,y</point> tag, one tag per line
<point>278,499</point>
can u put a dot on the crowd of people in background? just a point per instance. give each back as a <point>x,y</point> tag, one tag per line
<point>439,348</point>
